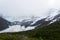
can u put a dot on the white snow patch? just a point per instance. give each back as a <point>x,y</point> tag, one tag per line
<point>53,21</point>
<point>17,28</point>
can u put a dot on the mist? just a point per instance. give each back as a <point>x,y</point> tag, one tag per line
<point>18,8</point>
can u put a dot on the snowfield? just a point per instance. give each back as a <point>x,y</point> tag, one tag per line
<point>17,28</point>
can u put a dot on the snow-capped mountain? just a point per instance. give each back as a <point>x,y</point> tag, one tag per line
<point>54,15</point>
<point>16,26</point>
<point>29,23</point>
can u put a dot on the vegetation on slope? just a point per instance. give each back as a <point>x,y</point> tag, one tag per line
<point>50,32</point>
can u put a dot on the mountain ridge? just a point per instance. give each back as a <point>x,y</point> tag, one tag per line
<point>36,21</point>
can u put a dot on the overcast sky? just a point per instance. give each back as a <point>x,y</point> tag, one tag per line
<point>18,8</point>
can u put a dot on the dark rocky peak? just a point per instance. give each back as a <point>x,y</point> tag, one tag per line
<point>4,23</point>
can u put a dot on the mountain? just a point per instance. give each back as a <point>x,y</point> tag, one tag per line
<point>47,32</point>
<point>53,16</point>
<point>33,22</point>
<point>4,24</point>
<point>47,28</point>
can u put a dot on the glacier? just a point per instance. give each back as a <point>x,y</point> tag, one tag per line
<point>16,28</point>
<point>25,23</point>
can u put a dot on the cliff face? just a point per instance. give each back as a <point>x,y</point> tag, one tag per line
<point>3,24</point>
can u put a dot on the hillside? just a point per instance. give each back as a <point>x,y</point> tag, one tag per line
<point>50,32</point>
